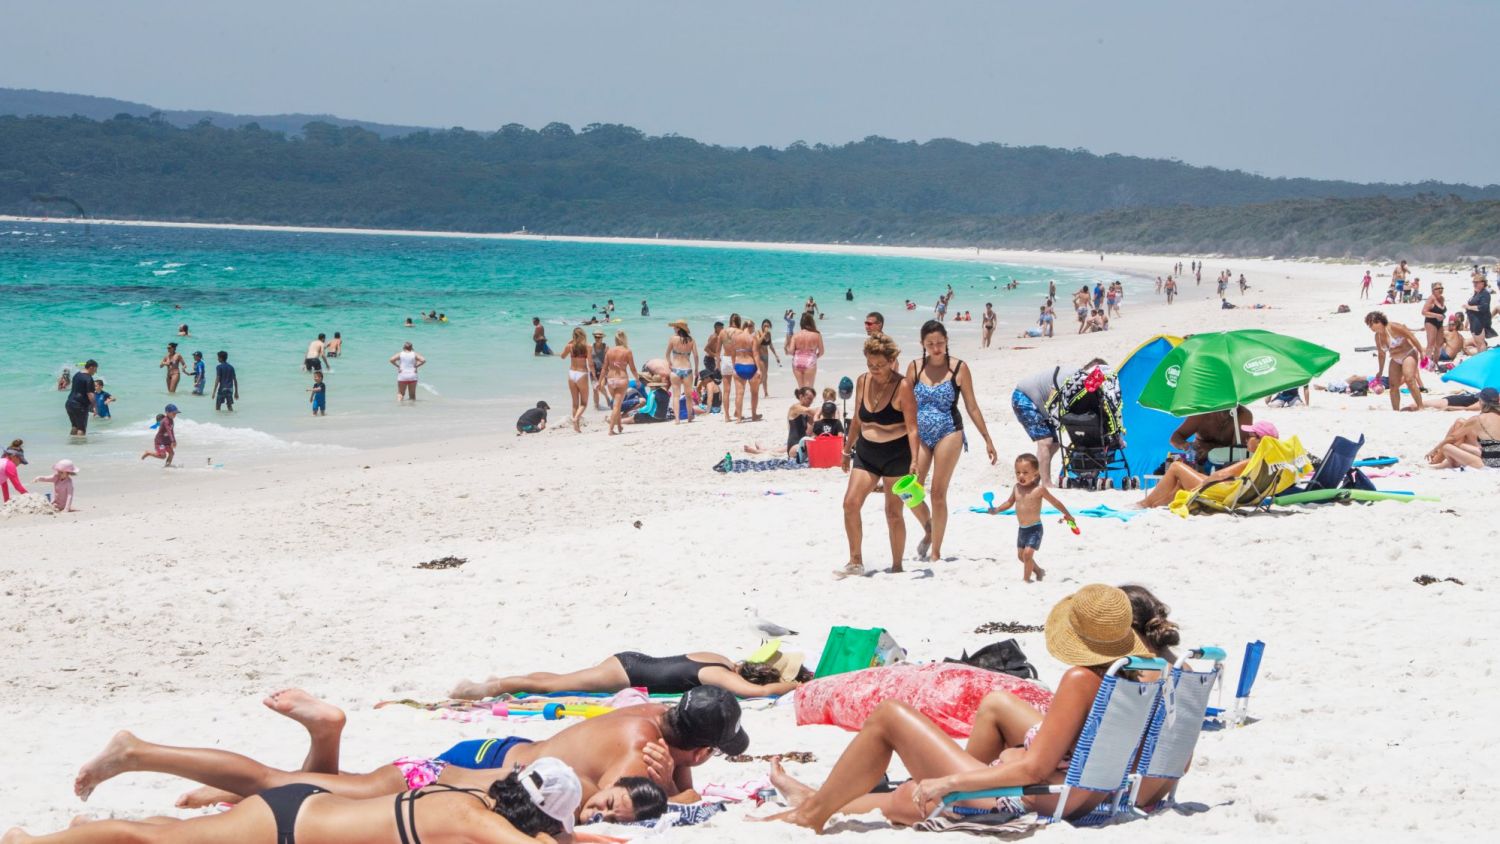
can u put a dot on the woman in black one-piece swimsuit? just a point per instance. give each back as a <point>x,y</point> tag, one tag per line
<point>663,675</point>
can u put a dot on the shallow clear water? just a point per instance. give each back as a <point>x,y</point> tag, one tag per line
<point>118,294</point>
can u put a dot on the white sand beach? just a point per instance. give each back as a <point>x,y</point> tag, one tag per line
<point>170,606</point>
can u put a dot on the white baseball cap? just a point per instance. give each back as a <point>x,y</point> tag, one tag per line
<point>554,788</point>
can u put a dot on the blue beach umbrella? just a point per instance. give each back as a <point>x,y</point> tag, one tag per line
<point>1479,371</point>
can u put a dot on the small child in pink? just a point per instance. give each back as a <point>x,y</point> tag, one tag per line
<point>62,484</point>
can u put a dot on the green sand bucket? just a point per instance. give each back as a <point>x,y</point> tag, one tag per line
<point>910,492</point>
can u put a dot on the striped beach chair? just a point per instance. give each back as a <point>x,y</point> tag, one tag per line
<point>1107,747</point>
<point>1176,724</point>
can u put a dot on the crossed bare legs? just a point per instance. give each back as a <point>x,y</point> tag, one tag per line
<point>229,776</point>
<point>895,728</point>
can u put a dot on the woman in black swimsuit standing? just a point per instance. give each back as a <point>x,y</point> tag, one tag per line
<point>881,443</point>
<point>663,675</point>
<point>515,810</point>
<point>1433,311</point>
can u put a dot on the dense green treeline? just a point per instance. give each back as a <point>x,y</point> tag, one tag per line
<point>613,180</point>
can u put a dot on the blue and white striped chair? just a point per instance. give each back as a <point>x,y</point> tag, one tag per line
<point>1106,748</point>
<point>1177,724</point>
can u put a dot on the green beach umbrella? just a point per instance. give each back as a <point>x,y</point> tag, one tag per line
<point>1217,371</point>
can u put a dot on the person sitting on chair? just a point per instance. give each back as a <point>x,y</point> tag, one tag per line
<point>1204,432</point>
<point>1180,476</point>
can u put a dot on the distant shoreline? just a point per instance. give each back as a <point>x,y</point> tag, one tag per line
<point>1071,260</point>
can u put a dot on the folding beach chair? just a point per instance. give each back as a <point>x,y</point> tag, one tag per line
<point>1275,465</point>
<point>1337,471</point>
<point>1108,745</point>
<point>1176,724</point>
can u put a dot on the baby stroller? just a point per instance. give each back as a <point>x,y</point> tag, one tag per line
<point>1087,407</point>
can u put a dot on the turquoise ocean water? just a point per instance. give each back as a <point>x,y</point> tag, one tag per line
<point>118,294</point>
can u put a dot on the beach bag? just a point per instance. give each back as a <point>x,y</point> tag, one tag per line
<point>855,649</point>
<point>1001,657</point>
<point>826,452</point>
<point>1359,387</point>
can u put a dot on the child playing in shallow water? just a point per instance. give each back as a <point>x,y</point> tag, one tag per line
<point>319,396</point>
<point>1027,498</point>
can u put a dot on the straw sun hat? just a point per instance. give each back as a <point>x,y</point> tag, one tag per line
<point>1092,627</point>
<point>681,323</point>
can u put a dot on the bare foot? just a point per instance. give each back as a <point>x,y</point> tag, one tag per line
<point>470,690</point>
<point>1041,573</point>
<point>793,816</point>
<point>794,791</point>
<point>922,545</point>
<point>110,762</point>
<point>204,797</point>
<point>314,714</point>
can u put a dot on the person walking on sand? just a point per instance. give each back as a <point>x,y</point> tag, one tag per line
<point>407,362</point>
<point>1401,347</point>
<point>682,357</point>
<point>576,353</point>
<point>80,401</point>
<point>881,445</point>
<point>1027,497</point>
<point>806,348</point>
<point>539,339</point>
<point>317,355</point>
<point>165,445</point>
<point>226,384</point>
<point>938,381</point>
<point>619,371</point>
<point>175,367</point>
<point>987,324</point>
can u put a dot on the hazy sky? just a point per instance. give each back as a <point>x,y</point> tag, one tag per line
<point>1389,90</point>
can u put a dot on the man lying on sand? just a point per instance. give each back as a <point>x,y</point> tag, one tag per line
<point>612,754</point>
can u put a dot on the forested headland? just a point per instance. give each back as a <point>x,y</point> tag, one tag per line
<point>615,180</point>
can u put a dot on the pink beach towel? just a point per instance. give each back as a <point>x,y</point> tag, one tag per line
<point>947,692</point>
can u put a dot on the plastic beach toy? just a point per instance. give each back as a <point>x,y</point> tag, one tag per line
<point>911,493</point>
<point>1073,526</point>
<point>989,499</point>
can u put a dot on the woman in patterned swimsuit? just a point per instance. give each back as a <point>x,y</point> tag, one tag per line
<point>938,381</point>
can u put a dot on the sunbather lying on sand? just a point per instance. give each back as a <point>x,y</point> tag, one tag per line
<point>522,807</point>
<point>1180,476</point>
<point>1012,744</point>
<point>663,675</point>
<point>612,755</point>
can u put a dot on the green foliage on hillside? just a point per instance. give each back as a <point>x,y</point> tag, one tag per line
<point>613,180</point>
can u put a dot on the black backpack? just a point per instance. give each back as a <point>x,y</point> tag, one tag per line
<point>1001,657</point>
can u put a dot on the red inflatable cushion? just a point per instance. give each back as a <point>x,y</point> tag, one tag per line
<point>947,692</point>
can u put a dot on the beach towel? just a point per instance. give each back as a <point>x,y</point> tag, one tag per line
<point>948,693</point>
<point>997,825</point>
<point>1102,511</point>
<point>731,466</point>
